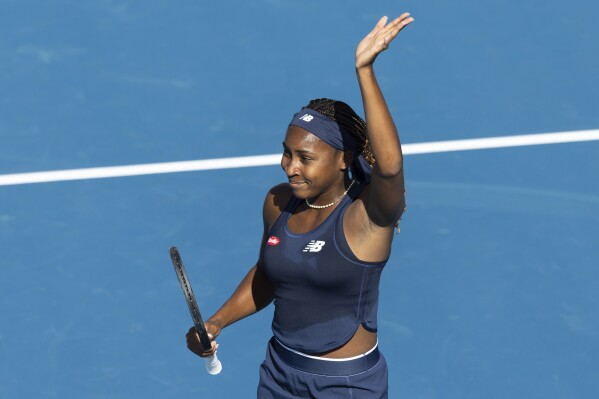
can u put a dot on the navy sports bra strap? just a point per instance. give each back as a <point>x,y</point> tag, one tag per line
<point>355,191</point>
<point>291,205</point>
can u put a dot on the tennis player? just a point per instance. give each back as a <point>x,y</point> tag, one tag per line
<point>327,237</point>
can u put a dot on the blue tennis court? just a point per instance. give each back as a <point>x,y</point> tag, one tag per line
<point>491,290</point>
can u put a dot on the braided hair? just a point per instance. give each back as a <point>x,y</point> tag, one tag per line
<point>347,119</point>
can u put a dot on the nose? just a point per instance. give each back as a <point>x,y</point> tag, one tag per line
<point>289,165</point>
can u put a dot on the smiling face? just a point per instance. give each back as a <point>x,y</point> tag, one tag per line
<point>314,169</point>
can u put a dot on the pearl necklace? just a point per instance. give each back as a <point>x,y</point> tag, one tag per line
<point>334,202</point>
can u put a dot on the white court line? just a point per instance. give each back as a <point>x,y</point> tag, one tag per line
<point>274,159</point>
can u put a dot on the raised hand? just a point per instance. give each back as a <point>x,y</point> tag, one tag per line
<point>379,38</point>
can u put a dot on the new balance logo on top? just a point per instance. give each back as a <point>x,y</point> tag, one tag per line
<point>307,118</point>
<point>314,246</point>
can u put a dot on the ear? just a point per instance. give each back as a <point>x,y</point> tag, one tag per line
<point>346,159</point>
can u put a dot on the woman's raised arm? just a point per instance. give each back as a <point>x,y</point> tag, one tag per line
<point>385,201</point>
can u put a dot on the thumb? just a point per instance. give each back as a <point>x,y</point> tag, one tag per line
<point>213,330</point>
<point>379,25</point>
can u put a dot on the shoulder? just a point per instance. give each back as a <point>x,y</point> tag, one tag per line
<point>275,202</point>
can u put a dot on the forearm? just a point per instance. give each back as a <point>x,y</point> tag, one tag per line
<point>253,294</point>
<point>382,133</point>
<point>386,194</point>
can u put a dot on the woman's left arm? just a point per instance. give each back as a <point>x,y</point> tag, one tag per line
<point>385,201</point>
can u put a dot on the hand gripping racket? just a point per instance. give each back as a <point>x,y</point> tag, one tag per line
<point>213,365</point>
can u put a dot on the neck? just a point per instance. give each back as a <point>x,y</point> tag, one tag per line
<point>332,200</point>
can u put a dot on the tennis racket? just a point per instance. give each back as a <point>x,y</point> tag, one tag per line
<point>213,365</point>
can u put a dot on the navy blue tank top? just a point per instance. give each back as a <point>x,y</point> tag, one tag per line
<point>323,292</point>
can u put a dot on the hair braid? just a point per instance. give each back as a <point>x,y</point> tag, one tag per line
<point>346,117</point>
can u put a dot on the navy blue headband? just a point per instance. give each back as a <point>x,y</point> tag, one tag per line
<point>336,136</point>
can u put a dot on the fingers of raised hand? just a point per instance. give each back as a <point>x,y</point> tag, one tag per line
<point>393,28</point>
<point>379,25</point>
<point>400,22</point>
<point>379,38</point>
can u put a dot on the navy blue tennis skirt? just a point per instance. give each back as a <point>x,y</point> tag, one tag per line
<point>288,375</point>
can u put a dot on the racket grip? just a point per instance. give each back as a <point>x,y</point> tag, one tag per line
<point>213,365</point>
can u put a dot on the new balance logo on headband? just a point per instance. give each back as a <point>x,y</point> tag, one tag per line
<point>314,246</point>
<point>307,118</point>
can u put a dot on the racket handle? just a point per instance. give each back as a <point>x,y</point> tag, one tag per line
<point>213,365</point>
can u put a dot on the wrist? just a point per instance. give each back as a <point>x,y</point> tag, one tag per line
<point>365,75</point>
<point>365,70</point>
<point>217,322</point>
